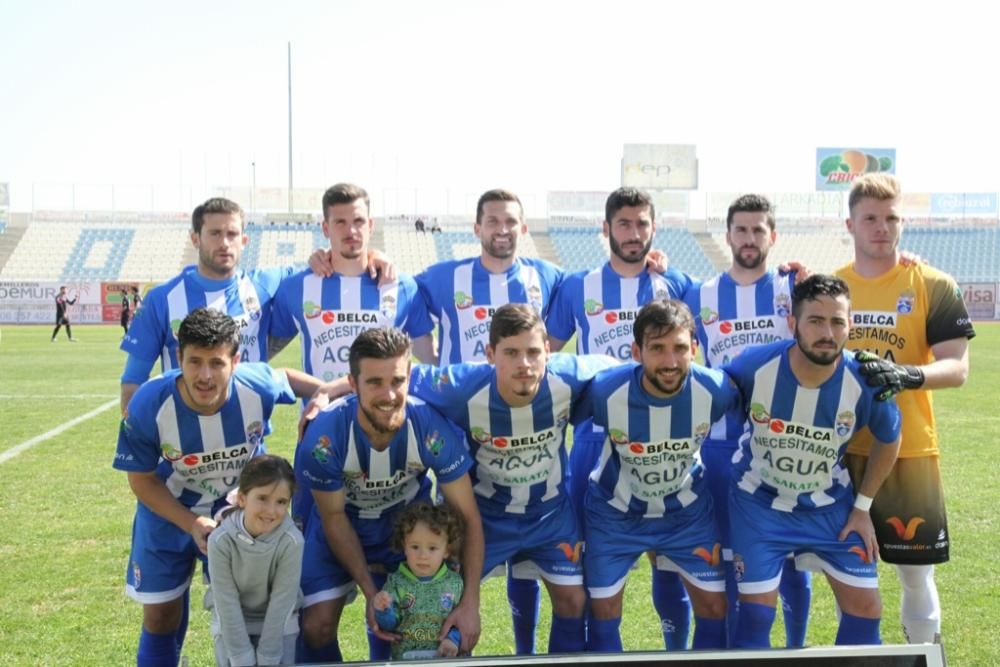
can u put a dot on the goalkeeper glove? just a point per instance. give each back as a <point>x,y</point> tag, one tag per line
<point>893,378</point>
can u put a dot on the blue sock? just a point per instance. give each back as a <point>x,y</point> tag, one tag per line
<point>524,598</point>
<point>604,635</point>
<point>733,610</point>
<point>857,630</point>
<point>796,594</point>
<point>567,635</point>
<point>709,633</point>
<point>182,627</point>
<point>328,653</point>
<point>156,650</point>
<point>674,608</point>
<point>753,629</point>
<point>379,650</point>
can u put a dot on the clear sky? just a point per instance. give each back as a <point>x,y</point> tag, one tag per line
<point>451,98</point>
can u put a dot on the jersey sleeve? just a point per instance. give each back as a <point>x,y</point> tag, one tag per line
<point>947,316</point>
<point>425,285</point>
<point>323,448</point>
<point>138,448</point>
<point>692,298</point>
<point>146,334</point>
<point>447,388</point>
<point>271,383</point>
<point>678,283</point>
<point>443,450</point>
<point>726,396</point>
<point>555,277</point>
<point>282,320</point>
<point>416,318</point>
<point>884,418</point>
<point>561,322</point>
<point>740,371</point>
<point>578,370</point>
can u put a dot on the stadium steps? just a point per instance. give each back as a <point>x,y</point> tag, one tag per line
<point>546,249</point>
<point>8,241</point>
<point>712,250</point>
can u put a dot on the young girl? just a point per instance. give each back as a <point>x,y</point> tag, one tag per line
<point>418,596</point>
<point>254,561</point>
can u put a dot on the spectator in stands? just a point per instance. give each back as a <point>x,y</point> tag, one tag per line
<point>62,313</point>
<point>435,227</point>
<point>913,318</point>
<point>419,225</point>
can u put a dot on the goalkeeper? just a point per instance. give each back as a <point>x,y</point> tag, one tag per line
<point>915,330</point>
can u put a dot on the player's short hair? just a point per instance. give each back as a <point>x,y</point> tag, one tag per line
<point>382,343</point>
<point>750,203</point>
<point>207,328</point>
<point>660,317</point>
<point>440,519</point>
<point>497,194</point>
<point>815,286</point>
<point>881,187</point>
<point>511,319</point>
<point>214,205</point>
<point>344,193</point>
<point>627,196</point>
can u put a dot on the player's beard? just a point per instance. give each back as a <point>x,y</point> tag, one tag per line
<point>489,247</point>
<point>654,379</point>
<point>617,251</point>
<point>383,423</point>
<point>753,262</point>
<point>207,260</point>
<point>822,357</point>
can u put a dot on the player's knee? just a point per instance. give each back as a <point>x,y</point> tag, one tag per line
<point>568,601</point>
<point>865,605</point>
<point>712,605</point>
<point>318,627</point>
<point>163,618</point>
<point>606,608</point>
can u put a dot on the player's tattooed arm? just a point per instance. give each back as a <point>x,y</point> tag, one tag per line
<point>153,493</point>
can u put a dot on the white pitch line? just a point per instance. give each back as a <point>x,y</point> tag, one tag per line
<point>46,397</point>
<point>28,444</point>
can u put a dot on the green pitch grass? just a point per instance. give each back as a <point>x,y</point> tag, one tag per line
<point>66,515</point>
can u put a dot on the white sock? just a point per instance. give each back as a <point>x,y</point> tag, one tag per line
<point>920,610</point>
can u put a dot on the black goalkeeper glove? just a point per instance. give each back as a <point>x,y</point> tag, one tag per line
<point>893,378</point>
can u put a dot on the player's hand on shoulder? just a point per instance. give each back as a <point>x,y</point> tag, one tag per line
<point>889,377</point>
<point>200,529</point>
<point>381,267</point>
<point>910,258</point>
<point>321,263</point>
<point>657,260</point>
<point>801,270</point>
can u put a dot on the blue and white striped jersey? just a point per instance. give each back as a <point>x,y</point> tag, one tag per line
<point>246,298</point>
<point>520,452</point>
<point>793,459</point>
<point>731,318</point>
<point>200,457</point>
<point>331,312</point>
<point>338,455</point>
<point>463,296</point>
<point>649,463</point>
<point>600,307</point>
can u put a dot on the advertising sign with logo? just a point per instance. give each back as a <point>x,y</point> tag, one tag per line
<point>569,203</point>
<point>980,300</point>
<point>964,204</point>
<point>111,299</point>
<point>32,302</point>
<point>836,168</point>
<point>660,166</point>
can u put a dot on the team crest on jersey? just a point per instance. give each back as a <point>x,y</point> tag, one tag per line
<point>170,452</point>
<point>434,442</point>
<point>439,377</point>
<point>708,316</point>
<point>481,435</point>
<point>388,305</point>
<point>447,601</point>
<point>904,304</point>
<point>136,575</point>
<point>759,414</point>
<point>535,297</point>
<point>252,307</point>
<point>462,300</point>
<point>661,293</point>
<point>321,450</point>
<point>618,437</point>
<point>700,433</point>
<point>593,307</point>
<point>255,433</point>
<point>311,310</point>
<point>408,600</point>
<point>845,423</point>
<point>782,305</point>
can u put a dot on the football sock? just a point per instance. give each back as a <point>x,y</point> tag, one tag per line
<point>733,609</point>
<point>328,653</point>
<point>709,633</point>
<point>604,636</point>
<point>920,609</point>
<point>182,627</point>
<point>674,608</point>
<point>857,630</point>
<point>567,635</point>
<point>524,598</point>
<point>754,626</point>
<point>156,650</point>
<point>796,595</point>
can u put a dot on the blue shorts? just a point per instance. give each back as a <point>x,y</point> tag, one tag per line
<point>323,577</point>
<point>583,458</point>
<point>763,538</point>
<point>717,458</point>
<point>685,541</point>
<point>162,559</point>
<point>548,546</point>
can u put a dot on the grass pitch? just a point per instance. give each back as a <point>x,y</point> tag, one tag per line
<point>66,518</point>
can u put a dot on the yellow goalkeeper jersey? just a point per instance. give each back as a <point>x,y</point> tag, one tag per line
<point>899,316</point>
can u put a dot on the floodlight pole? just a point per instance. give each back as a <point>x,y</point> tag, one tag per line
<point>290,210</point>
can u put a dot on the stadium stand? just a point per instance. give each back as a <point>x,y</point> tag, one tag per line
<point>272,245</point>
<point>970,254</point>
